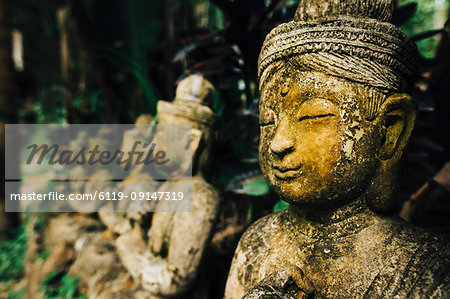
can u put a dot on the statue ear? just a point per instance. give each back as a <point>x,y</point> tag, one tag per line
<point>396,120</point>
<point>193,138</point>
<point>397,117</point>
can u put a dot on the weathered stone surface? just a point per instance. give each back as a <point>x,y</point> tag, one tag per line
<point>335,120</point>
<point>63,236</point>
<point>79,238</point>
<point>381,260</point>
<point>70,228</point>
<point>137,181</point>
<point>58,259</point>
<point>93,256</point>
<point>169,263</point>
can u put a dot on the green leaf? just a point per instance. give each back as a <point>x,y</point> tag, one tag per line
<point>256,187</point>
<point>17,294</point>
<point>11,256</point>
<point>281,205</point>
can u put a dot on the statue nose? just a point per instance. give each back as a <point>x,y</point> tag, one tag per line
<point>283,141</point>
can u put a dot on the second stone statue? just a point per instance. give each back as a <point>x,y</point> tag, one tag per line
<point>169,263</point>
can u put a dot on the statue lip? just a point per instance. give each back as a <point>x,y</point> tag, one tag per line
<point>286,173</point>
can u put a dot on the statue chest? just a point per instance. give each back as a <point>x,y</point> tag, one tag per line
<point>344,267</point>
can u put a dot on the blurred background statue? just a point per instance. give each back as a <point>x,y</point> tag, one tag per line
<point>169,262</point>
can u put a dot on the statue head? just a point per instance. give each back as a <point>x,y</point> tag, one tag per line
<point>335,115</point>
<point>191,106</point>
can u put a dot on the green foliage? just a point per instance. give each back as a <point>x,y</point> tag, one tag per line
<point>50,105</point>
<point>256,187</point>
<point>57,287</point>
<point>131,66</point>
<point>11,256</point>
<point>88,104</point>
<point>292,2</point>
<point>39,224</point>
<point>430,14</point>
<point>17,294</point>
<point>140,31</point>
<point>281,205</point>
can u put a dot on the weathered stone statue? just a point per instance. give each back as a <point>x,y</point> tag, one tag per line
<point>335,120</point>
<point>138,181</point>
<point>168,263</point>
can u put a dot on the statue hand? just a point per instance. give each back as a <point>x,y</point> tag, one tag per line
<point>286,283</point>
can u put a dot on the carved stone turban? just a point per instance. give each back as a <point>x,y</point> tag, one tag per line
<point>193,96</point>
<point>348,39</point>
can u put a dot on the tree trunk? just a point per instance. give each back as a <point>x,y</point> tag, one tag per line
<point>89,43</point>
<point>7,107</point>
<point>63,25</point>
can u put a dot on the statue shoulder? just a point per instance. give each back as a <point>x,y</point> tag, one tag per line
<point>204,193</point>
<point>252,250</point>
<point>260,234</point>
<point>415,262</point>
<point>407,232</point>
<point>200,185</point>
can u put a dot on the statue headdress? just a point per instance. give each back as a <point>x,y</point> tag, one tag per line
<point>192,102</point>
<point>351,39</point>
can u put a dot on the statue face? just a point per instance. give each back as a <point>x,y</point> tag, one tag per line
<point>316,148</point>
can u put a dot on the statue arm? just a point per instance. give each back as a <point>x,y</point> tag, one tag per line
<point>234,287</point>
<point>287,282</point>
<point>248,274</point>
<point>154,273</point>
<point>243,275</point>
<point>189,239</point>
